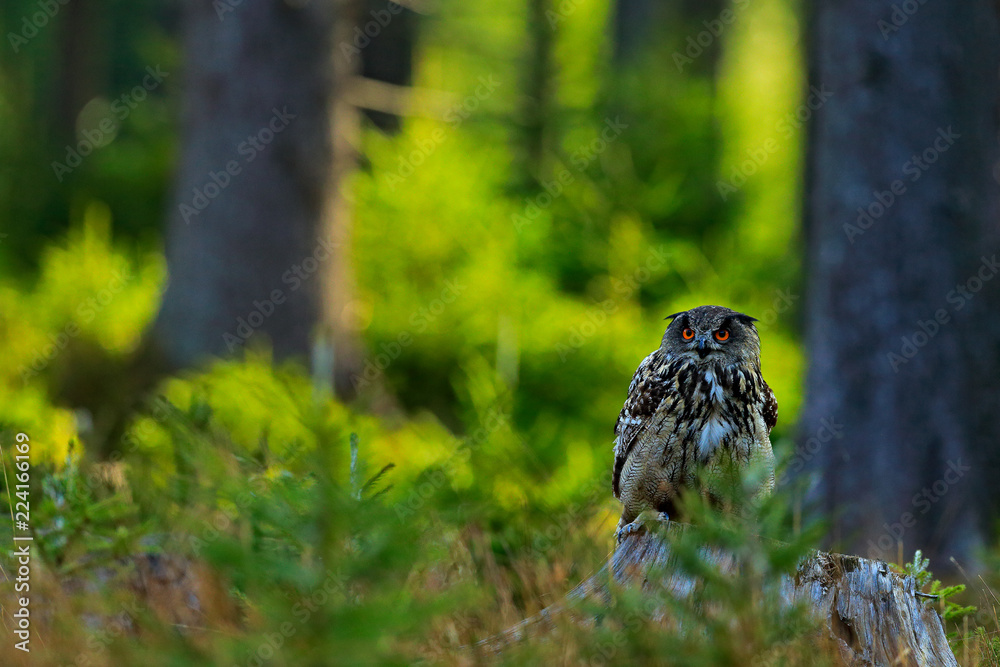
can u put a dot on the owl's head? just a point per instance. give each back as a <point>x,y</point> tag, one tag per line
<point>712,335</point>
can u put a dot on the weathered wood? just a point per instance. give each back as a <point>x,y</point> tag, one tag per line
<point>870,613</point>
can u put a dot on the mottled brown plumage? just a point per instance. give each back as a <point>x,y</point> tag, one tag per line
<point>698,412</point>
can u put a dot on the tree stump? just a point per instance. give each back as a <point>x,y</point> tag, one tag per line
<point>874,616</point>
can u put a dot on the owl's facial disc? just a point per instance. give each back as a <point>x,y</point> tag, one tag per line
<point>707,334</point>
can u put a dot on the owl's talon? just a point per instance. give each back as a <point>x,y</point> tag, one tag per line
<point>628,529</point>
<point>639,524</point>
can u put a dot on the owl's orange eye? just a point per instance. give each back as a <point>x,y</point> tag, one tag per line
<point>688,334</point>
<point>722,334</point>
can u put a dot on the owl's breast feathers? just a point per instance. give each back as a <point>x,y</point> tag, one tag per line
<point>694,407</point>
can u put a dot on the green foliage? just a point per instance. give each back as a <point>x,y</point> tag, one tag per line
<point>309,558</point>
<point>78,519</point>
<point>950,610</point>
<point>966,640</point>
<point>64,81</point>
<point>918,569</point>
<point>989,646</point>
<point>710,614</point>
<point>504,302</point>
<point>84,314</point>
<point>735,619</point>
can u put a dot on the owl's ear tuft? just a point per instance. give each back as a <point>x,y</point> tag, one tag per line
<point>670,317</point>
<point>745,319</point>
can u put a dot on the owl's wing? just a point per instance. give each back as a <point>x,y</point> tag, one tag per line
<point>645,393</point>
<point>770,410</point>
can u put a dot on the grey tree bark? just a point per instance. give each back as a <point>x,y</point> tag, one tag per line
<point>869,614</point>
<point>258,230</point>
<point>900,423</point>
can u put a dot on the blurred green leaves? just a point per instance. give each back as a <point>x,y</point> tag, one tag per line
<point>503,308</point>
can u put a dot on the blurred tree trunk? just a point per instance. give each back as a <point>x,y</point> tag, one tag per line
<point>633,22</point>
<point>543,20</point>
<point>258,231</point>
<point>388,57</point>
<point>79,51</point>
<point>900,422</point>
<point>639,25</point>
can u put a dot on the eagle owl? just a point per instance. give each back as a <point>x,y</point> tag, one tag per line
<point>697,413</point>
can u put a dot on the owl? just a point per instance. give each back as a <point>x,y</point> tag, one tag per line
<point>698,413</point>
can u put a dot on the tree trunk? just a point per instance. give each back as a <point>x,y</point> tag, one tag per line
<point>257,232</point>
<point>388,57</point>
<point>79,52</point>
<point>900,424</point>
<point>538,88</point>
<point>633,22</point>
<point>871,615</point>
<point>640,25</point>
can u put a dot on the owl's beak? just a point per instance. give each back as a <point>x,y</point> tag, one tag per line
<point>703,349</point>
